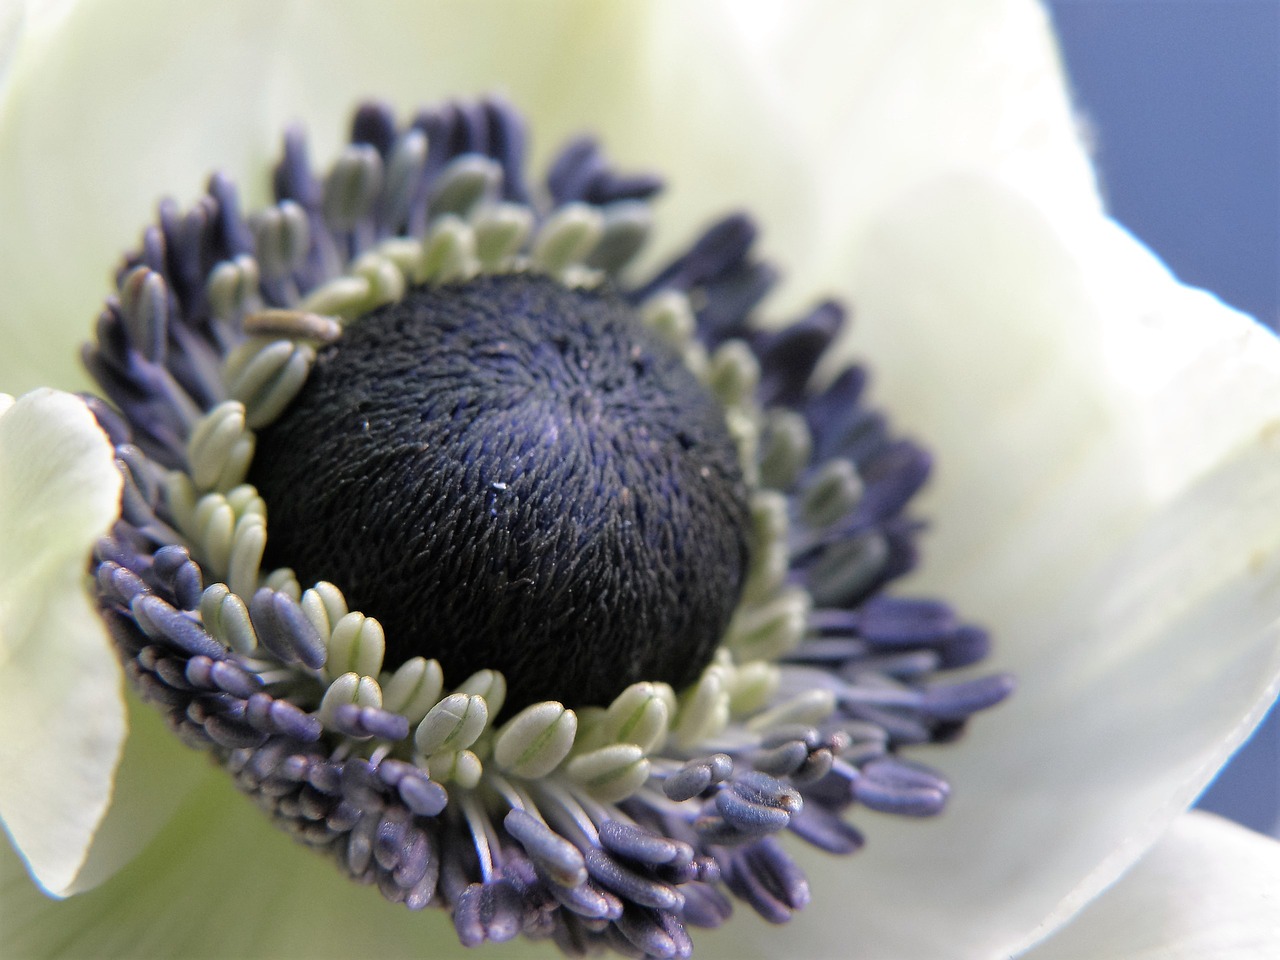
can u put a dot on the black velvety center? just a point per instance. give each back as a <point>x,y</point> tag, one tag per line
<point>514,475</point>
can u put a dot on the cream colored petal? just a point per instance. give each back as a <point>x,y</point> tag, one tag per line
<point>1109,466</point>
<point>819,115</point>
<point>61,715</point>
<point>12,26</point>
<point>1209,890</point>
<point>124,102</point>
<point>813,115</point>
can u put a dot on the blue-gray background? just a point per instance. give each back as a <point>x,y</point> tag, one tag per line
<point>1183,98</point>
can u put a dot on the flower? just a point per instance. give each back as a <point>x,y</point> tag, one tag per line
<point>612,517</point>
<point>1105,392</point>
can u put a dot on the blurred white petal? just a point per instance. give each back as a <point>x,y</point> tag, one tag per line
<point>1110,469</point>
<point>790,122</point>
<point>1207,891</point>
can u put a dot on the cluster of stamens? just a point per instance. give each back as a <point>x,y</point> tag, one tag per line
<point>613,824</point>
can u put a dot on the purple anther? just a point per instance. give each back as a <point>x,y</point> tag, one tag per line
<point>389,839</point>
<point>162,622</point>
<point>488,911</point>
<point>562,860</point>
<point>292,721</point>
<point>361,786</point>
<point>586,900</point>
<point>230,733</point>
<point>227,676</point>
<point>236,236</point>
<point>424,797</point>
<point>678,872</point>
<point>120,584</point>
<point>383,724</point>
<point>388,887</point>
<point>642,846</point>
<point>708,869</point>
<point>705,906</point>
<point>173,672</point>
<point>424,891</point>
<point>828,649</point>
<point>789,356</point>
<point>645,931</point>
<point>168,559</point>
<point>957,701</point>
<point>267,759</point>
<point>285,630</point>
<point>344,816</point>
<point>757,803</point>
<point>113,426</point>
<point>325,776</point>
<point>966,646</point>
<point>782,760</point>
<point>768,879</point>
<point>777,736</point>
<point>901,621</point>
<point>417,858</point>
<point>713,830</point>
<point>154,690</point>
<point>199,673</point>
<point>825,830</point>
<point>135,509</point>
<point>346,720</point>
<point>697,775</point>
<point>188,585</point>
<point>724,245</point>
<point>360,843</point>
<point>218,705</point>
<point>629,884</point>
<point>296,767</point>
<point>313,804</point>
<point>891,786</point>
<point>815,766</point>
<point>257,711</point>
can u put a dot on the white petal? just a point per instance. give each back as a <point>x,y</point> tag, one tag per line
<point>1207,891</point>
<point>1109,465</point>
<point>813,123</point>
<point>61,711</point>
<point>11,29</point>
<point>118,103</point>
<point>1108,469</point>
<point>817,116</point>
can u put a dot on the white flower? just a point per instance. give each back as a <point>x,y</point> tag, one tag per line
<point>1108,444</point>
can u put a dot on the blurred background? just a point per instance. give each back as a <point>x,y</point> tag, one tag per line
<point>1182,101</point>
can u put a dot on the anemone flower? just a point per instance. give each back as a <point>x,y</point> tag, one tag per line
<point>1105,441</point>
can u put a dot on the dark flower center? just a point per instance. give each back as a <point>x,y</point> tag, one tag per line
<point>515,475</point>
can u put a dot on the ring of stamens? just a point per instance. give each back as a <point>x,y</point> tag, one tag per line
<point>624,820</point>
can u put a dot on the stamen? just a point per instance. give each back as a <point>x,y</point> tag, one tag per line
<point>294,324</point>
<point>479,826</point>
<point>558,857</point>
<point>696,776</point>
